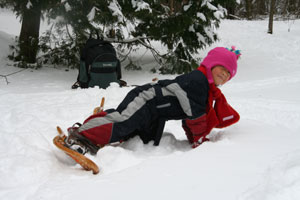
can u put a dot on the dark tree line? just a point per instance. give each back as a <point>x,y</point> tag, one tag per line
<point>256,9</point>
<point>30,13</point>
<point>183,26</point>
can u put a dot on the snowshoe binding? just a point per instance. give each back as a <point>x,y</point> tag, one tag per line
<point>75,146</point>
<point>79,143</point>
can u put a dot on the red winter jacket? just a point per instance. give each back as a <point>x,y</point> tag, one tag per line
<point>218,116</point>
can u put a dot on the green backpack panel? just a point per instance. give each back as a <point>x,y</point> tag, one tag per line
<point>99,65</point>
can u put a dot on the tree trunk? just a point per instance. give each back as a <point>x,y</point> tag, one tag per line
<point>171,6</point>
<point>248,10</point>
<point>272,8</point>
<point>29,35</point>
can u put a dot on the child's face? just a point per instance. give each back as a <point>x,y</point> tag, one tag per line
<point>220,75</point>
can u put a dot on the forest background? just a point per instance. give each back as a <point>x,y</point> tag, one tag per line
<point>184,27</point>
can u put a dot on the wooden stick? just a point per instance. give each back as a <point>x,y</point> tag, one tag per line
<point>99,109</point>
<point>102,104</point>
<point>60,131</point>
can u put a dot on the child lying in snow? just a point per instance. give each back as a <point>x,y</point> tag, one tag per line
<point>146,108</point>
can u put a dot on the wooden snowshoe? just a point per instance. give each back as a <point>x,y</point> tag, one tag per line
<point>82,160</point>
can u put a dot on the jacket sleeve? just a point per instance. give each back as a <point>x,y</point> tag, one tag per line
<point>196,87</point>
<point>192,93</point>
<point>219,116</point>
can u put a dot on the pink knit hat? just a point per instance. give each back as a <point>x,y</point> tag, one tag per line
<point>221,56</point>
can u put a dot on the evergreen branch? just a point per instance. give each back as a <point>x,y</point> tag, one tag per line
<point>69,33</point>
<point>234,16</point>
<point>149,47</point>
<point>127,54</point>
<point>126,40</point>
<point>154,52</point>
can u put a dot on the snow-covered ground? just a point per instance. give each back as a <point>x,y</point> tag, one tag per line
<point>255,159</point>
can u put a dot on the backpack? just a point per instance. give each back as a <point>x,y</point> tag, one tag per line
<point>99,65</point>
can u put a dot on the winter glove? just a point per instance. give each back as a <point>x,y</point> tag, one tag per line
<point>225,113</point>
<point>188,132</point>
<point>200,141</point>
<point>195,130</point>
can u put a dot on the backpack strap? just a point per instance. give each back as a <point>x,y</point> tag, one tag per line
<point>91,42</point>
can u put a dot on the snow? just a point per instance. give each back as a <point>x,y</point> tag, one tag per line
<point>201,16</point>
<point>200,37</point>
<point>28,5</point>
<point>209,32</point>
<point>187,7</point>
<point>191,28</point>
<point>91,14</point>
<point>140,5</point>
<point>219,14</point>
<point>116,10</point>
<point>211,7</point>
<point>258,158</point>
<point>68,8</point>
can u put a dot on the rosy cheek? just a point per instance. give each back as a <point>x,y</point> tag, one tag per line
<point>227,76</point>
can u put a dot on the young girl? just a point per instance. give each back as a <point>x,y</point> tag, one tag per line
<point>146,108</point>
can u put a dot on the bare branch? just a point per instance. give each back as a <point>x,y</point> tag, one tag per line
<point>234,16</point>
<point>5,76</point>
<point>139,40</point>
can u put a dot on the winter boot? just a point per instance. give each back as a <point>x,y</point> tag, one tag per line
<point>79,143</point>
